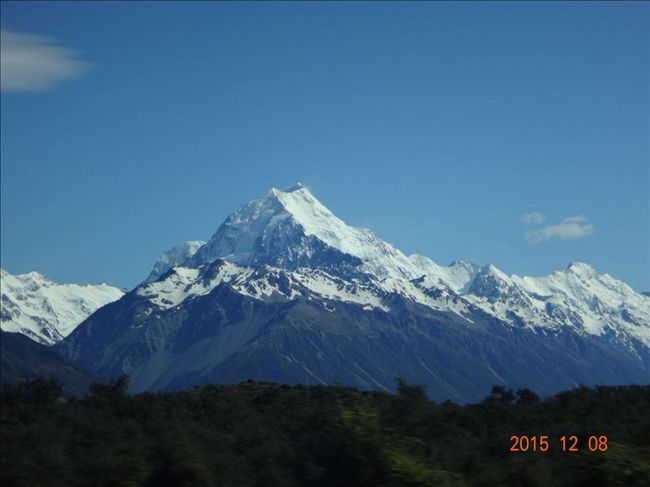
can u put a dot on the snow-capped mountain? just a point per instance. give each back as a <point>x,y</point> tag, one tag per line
<point>578,298</point>
<point>47,311</point>
<point>286,291</point>
<point>175,256</point>
<point>292,229</point>
<point>458,275</point>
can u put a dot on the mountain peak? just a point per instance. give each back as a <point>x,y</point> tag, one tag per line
<point>457,275</point>
<point>32,275</point>
<point>581,269</point>
<point>296,187</point>
<point>315,217</point>
<point>292,228</point>
<point>173,257</point>
<point>491,272</point>
<point>47,311</point>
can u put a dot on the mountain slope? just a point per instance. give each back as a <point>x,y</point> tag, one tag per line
<point>285,291</point>
<point>46,311</point>
<point>236,323</point>
<point>22,358</point>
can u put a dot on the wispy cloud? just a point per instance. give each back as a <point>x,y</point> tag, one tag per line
<point>571,227</point>
<point>534,218</point>
<point>35,63</point>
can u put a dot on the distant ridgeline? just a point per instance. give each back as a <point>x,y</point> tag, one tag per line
<point>286,292</point>
<point>255,434</point>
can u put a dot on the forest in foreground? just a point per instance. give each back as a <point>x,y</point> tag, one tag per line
<point>261,434</point>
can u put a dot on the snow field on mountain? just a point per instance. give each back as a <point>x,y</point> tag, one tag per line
<point>577,297</point>
<point>47,311</point>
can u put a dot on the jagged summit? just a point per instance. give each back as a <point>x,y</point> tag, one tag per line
<point>582,269</point>
<point>458,275</point>
<point>293,229</point>
<point>296,187</point>
<point>177,255</point>
<point>47,311</point>
<point>496,272</point>
<point>33,275</point>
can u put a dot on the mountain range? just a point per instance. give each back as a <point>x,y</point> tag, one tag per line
<point>47,311</point>
<point>285,291</point>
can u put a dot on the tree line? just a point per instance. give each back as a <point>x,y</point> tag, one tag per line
<point>262,434</point>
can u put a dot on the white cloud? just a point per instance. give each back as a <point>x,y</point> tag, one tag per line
<point>35,63</point>
<point>534,218</point>
<point>570,228</point>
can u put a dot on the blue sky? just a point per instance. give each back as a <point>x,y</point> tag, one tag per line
<point>438,125</point>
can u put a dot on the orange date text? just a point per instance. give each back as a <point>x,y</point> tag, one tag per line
<point>565,443</point>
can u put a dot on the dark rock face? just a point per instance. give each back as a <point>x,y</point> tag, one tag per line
<point>23,358</point>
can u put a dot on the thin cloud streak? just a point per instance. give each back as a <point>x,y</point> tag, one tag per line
<point>570,228</point>
<point>35,63</point>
